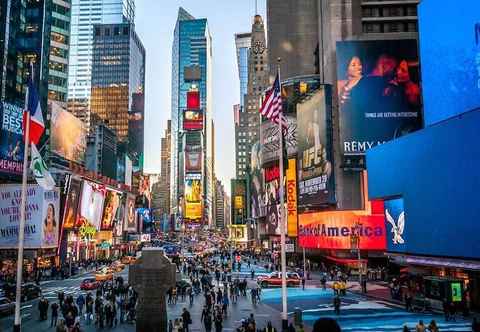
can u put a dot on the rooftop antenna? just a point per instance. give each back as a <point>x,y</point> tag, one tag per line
<point>256,7</point>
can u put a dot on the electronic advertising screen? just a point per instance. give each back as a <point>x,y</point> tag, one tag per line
<point>11,139</point>
<point>449,37</point>
<point>91,205</point>
<point>315,169</point>
<point>193,196</point>
<point>112,202</point>
<point>193,158</point>
<point>193,100</point>
<point>68,136</point>
<point>70,215</point>
<point>378,92</point>
<point>192,119</point>
<point>257,190</point>
<point>270,143</point>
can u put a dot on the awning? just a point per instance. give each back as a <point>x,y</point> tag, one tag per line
<point>435,262</point>
<point>345,261</point>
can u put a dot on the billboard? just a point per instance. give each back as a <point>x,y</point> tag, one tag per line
<point>193,100</point>
<point>270,144</point>
<point>192,120</point>
<point>193,196</point>
<point>193,158</point>
<point>130,214</point>
<point>449,55</point>
<point>11,139</point>
<point>238,201</point>
<point>291,193</point>
<point>91,204</point>
<point>337,229</point>
<point>67,134</point>
<point>42,217</point>
<point>315,167</point>
<point>257,193</point>
<point>395,225</point>
<point>112,202</point>
<point>272,203</point>
<point>239,233</point>
<point>378,92</point>
<point>70,212</point>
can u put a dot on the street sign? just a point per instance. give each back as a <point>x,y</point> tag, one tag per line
<point>289,247</point>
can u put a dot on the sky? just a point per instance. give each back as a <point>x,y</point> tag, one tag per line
<point>154,23</point>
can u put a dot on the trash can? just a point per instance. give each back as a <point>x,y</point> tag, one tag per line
<point>297,316</point>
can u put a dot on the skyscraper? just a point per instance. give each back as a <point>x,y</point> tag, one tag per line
<point>118,84</point>
<point>242,44</point>
<point>192,145</point>
<point>86,13</point>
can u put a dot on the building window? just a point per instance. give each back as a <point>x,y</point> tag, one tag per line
<point>412,11</point>
<point>372,28</point>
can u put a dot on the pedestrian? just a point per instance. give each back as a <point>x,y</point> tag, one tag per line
<point>61,326</point>
<point>420,327</point>
<point>326,324</point>
<point>80,304</point>
<point>190,295</point>
<point>337,304</point>
<point>432,327</point>
<point>170,325</point>
<point>291,328</point>
<point>43,308</point>
<point>270,328</point>
<point>475,325</point>
<point>218,321</point>
<point>252,274</point>
<point>54,308</point>
<point>453,311</point>
<point>405,328</point>
<point>187,319</point>
<point>446,310</point>
<point>303,282</point>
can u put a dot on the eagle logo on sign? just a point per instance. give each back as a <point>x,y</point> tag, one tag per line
<point>397,228</point>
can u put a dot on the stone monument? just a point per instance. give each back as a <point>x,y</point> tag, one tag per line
<point>151,276</point>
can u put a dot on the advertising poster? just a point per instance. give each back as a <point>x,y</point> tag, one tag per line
<point>291,193</point>
<point>112,202</point>
<point>193,158</point>
<point>336,229</point>
<point>238,199</point>
<point>68,134</point>
<point>270,142</point>
<point>193,100</point>
<point>130,214</point>
<point>119,220</point>
<point>450,58</point>
<point>42,217</point>
<point>256,182</point>
<point>395,223</point>
<point>379,92</point>
<point>193,120</point>
<point>144,187</point>
<point>273,206</point>
<point>238,233</point>
<point>315,169</point>
<point>70,215</point>
<point>11,139</point>
<point>91,206</point>
<point>193,196</point>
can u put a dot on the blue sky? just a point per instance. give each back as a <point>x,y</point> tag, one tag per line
<point>155,22</point>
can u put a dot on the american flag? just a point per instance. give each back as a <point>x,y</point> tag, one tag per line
<point>272,105</point>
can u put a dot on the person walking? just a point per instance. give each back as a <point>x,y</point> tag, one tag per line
<point>291,328</point>
<point>420,327</point>
<point>432,327</point>
<point>54,309</point>
<point>80,303</point>
<point>187,319</point>
<point>269,328</point>
<point>337,304</point>
<point>218,321</point>
<point>303,282</point>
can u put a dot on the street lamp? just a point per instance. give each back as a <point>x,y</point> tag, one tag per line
<point>355,245</point>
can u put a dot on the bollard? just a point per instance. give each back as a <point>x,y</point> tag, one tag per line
<point>297,316</point>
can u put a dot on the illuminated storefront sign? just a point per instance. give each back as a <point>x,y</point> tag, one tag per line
<point>291,188</point>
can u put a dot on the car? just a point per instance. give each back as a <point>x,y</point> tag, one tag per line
<point>89,284</point>
<point>29,291</point>
<point>275,279</point>
<point>117,266</point>
<point>104,274</point>
<point>7,307</point>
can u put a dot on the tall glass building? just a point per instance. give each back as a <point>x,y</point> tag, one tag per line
<point>191,49</point>
<point>86,13</point>
<point>118,84</point>
<point>242,44</point>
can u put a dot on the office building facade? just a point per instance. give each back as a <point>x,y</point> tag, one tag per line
<point>161,189</point>
<point>192,73</point>
<point>219,206</point>
<point>118,84</point>
<point>242,45</point>
<point>86,13</point>
<point>101,154</point>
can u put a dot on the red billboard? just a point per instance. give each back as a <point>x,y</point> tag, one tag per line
<point>193,100</point>
<point>193,120</point>
<point>338,229</point>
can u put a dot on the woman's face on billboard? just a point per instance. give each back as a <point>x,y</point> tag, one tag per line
<point>355,68</point>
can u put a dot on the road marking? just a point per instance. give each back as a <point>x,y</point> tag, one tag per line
<point>26,306</point>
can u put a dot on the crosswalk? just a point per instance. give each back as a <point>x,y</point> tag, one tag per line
<point>51,293</point>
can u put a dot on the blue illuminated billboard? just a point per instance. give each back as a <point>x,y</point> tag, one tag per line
<point>450,57</point>
<point>395,222</point>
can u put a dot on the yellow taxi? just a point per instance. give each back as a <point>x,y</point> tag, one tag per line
<point>128,260</point>
<point>117,266</point>
<point>104,274</point>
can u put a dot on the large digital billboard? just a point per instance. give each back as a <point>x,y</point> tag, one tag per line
<point>70,214</point>
<point>193,196</point>
<point>130,224</point>
<point>450,57</point>
<point>395,224</point>
<point>291,193</point>
<point>11,139</point>
<point>338,229</point>
<point>238,201</point>
<point>67,134</point>
<point>42,218</point>
<point>270,144</point>
<point>315,169</point>
<point>378,92</point>
<point>192,120</point>
<point>112,202</point>
<point>193,158</point>
<point>193,100</point>
<point>91,205</point>
<point>257,192</point>
<point>272,203</point>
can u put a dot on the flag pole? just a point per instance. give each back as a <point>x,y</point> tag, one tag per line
<point>283,257</point>
<point>21,227</point>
